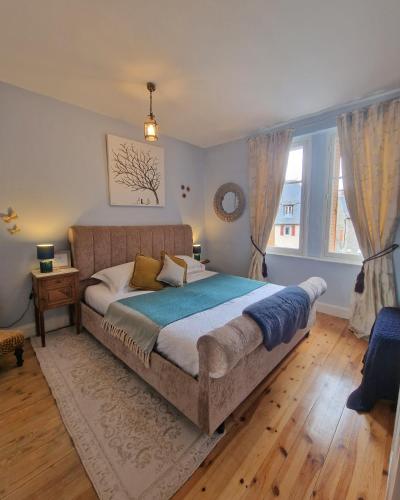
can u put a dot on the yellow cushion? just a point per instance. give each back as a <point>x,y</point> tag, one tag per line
<point>178,261</point>
<point>145,272</point>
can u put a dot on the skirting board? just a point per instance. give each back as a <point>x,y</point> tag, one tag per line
<point>51,323</point>
<point>338,311</point>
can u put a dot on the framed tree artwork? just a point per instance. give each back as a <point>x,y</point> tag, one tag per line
<point>136,173</point>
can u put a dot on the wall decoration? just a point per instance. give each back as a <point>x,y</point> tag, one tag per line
<point>62,259</point>
<point>14,230</point>
<point>136,173</point>
<point>9,216</point>
<point>187,188</point>
<point>229,202</point>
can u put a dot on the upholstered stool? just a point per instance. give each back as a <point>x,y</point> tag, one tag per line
<point>12,341</point>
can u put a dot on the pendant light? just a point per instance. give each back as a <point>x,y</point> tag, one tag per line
<point>150,125</point>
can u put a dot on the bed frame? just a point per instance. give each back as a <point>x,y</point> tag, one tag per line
<point>207,400</point>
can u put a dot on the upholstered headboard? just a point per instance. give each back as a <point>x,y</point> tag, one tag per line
<point>98,247</point>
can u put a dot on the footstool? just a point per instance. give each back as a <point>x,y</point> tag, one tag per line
<point>12,341</point>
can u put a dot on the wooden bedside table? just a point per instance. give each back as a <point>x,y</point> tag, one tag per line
<point>56,289</point>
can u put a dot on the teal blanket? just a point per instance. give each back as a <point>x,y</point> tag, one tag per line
<point>138,320</point>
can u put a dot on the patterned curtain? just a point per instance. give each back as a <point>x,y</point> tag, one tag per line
<point>268,156</point>
<point>370,150</point>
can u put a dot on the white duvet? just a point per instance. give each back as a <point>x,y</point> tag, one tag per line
<point>177,341</point>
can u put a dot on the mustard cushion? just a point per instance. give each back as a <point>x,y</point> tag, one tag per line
<point>178,261</point>
<point>145,273</point>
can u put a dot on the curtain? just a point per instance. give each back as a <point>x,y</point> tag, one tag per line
<point>370,150</point>
<point>268,156</point>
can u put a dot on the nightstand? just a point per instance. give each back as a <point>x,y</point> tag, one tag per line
<point>56,289</point>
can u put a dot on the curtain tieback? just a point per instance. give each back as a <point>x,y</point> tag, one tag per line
<point>359,287</point>
<point>264,270</point>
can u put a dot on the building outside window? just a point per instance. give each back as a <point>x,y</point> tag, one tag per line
<point>286,231</point>
<point>342,239</point>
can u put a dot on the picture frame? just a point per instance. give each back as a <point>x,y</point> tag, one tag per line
<point>136,173</point>
<point>62,259</point>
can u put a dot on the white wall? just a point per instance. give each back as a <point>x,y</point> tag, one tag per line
<point>227,243</point>
<point>53,172</point>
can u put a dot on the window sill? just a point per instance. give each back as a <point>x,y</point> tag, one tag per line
<point>321,259</point>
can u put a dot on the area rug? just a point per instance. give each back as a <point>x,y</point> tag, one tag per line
<point>132,442</point>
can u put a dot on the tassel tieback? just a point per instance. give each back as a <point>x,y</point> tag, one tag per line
<point>264,269</point>
<point>359,286</point>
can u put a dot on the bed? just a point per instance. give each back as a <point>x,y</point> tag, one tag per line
<point>205,364</point>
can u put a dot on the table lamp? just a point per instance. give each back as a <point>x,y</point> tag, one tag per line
<point>45,252</point>
<point>197,251</point>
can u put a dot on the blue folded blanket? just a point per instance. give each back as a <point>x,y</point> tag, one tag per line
<point>280,315</point>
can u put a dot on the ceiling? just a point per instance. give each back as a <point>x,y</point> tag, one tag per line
<point>224,68</point>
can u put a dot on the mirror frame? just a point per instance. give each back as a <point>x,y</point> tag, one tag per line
<point>219,197</point>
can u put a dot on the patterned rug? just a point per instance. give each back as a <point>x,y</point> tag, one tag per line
<point>132,442</point>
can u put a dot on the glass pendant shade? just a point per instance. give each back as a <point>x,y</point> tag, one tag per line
<point>150,129</point>
<point>150,124</point>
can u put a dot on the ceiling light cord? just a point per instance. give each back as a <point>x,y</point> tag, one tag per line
<point>151,103</point>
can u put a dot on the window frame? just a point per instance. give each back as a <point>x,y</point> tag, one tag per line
<point>303,141</point>
<point>327,254</point>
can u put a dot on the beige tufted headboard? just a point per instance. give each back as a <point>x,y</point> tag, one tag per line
<point>97,247</point>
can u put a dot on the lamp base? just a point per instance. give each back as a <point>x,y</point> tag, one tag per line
<point>46,266</point>
<point>196,256</point>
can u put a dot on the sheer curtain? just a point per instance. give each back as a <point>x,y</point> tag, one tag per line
<point>268,157</point>
<point>370,149</point>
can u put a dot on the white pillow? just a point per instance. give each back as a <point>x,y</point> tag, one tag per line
<point>117,277</point>
<point>171,273</point>
<point>193,265</point>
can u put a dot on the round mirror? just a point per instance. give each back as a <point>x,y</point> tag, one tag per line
<point>229,202</point>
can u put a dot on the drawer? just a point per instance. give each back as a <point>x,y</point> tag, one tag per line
<point>61,282</point>
<point>59,296</point>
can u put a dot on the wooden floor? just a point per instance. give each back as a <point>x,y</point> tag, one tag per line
<point>293,438</point>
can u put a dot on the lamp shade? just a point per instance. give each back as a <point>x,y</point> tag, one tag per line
<point>197,249</point>
<point>45,251</point>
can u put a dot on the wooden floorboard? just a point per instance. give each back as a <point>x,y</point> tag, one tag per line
<point>293,438</point>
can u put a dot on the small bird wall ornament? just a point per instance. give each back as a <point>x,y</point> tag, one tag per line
<point>13,230</point>
<point>9,216</point>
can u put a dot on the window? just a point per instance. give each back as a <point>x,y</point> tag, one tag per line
<point>288,209</point>
<point>286,234</point>
<point>342,240</point>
